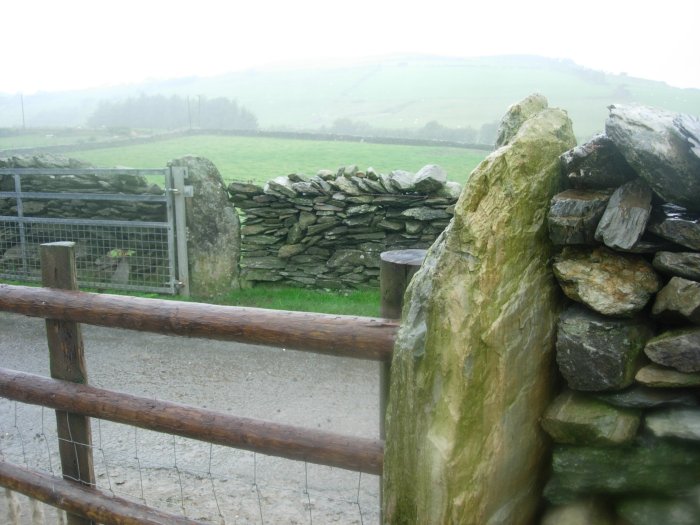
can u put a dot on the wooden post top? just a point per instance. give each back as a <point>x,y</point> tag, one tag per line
<point>413,257</point>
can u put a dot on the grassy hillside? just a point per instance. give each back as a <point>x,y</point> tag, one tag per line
<point>399,92</point>
<point>261,159</point>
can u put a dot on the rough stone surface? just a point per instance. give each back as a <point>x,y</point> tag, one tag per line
<point>683,423</point>
<point>676,224</point>
<point>596,164</point>
<point>430,179</point>
<point>678,301</point>
<point>471,370</point>
<point>584,512</point>
<point>516,115</point>
<point>638,396</point>
<point>577,419</point>
<point>574,216</point>
<point>597,353</point>
<point>662,147</point>
<point>684,264</point>
<point>610,283</point>
<point>657,511</point>
<point>213,230</point>
<point>654,466</point>
<point>626,216</point>
<point>679,349</point>
<point>661,377</point>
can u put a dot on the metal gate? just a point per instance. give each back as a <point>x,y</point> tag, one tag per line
<point>128,225</point>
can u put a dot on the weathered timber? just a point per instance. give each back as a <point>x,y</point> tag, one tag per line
<point>67,362</point>
<point>296,443</point>
<point>91,504</point>
<point>347,336</point>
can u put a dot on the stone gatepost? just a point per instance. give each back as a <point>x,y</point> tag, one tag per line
<point>472,370</point>
<point>213,230</point>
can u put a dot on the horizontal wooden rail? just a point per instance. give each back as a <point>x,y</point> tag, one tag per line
<point>296,443</point>
<point>340,335</point>
<point>83,501</point>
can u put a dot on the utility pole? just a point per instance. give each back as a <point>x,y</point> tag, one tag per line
<point>189,112</point>
<point>21,100</point>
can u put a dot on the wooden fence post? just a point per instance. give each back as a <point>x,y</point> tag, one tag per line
<point>67,362</point>
<point>396,268</point>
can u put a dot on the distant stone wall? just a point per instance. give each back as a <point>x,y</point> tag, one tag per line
<point>328,230</point>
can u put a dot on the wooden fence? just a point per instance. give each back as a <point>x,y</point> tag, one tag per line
<point>63,307</point>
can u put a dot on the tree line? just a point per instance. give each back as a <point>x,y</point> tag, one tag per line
<point>174,112</point>
<point>432,130</point>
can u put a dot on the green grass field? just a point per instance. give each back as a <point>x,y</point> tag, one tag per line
<point>262,159</point>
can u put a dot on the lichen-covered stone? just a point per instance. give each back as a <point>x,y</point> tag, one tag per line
<point>676,224</point>
<point>596,164</point>
<point>577,419</point>
<point>662,377</point>
<point>662,147</point>
<point>678,301</point>
<point>584,512</point>
<point>679,349</point>
<point>655,466</point>
<point>213,237</point>
<point>648,510</point>
<point>681,264</point>
<point>682,423</point>
<point>626,216</point>
<point>610,283</point>
<point>516,116</point>
<point>471,369</point>
<point>596,352</point>
<point>574,216</point>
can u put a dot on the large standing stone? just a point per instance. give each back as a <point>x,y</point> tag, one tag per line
<point>574,216</point>
<point>596,164</point>
<point>626,216</point>
<point>577,419</point>
<point>213,230</point>
<point>662,147</point>
<point>684,264</point>
<point>610,283</point>
<point>679,300</point>
<point>676,224</point>
<point>471,370</point>
<point>597,353</point>
<point>516,116</point>
<point>683,423</point>
<point>679,349</point>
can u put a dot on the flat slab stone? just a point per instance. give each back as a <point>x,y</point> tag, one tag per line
<point>595,352</point>
<point>676,224</point>
<point>678,349</point>
<point>648,510</point>
<point>585,512</point>
<point>626,215</point>
<point>610,283</point>
<point>659,376</point>
<point>596,164</point>
<point>577,419</point>
<point>678,301</point>
<point>682,423</point>
<point>574,216</point>
<point>683,264</point>
<point>638,396</point>
<point>662,147</point>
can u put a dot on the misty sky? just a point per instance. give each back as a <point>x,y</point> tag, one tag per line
<point>54,45</point>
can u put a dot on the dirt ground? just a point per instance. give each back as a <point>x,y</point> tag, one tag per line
<point>213,484</point>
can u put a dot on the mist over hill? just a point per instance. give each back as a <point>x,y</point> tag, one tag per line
<point>400,92</point>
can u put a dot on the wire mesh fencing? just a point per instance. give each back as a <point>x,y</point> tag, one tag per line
<point>122,222</point>
<point>204,482</point>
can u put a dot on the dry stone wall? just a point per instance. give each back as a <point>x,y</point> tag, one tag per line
<point>328,230</point>
<point>627,427</point>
